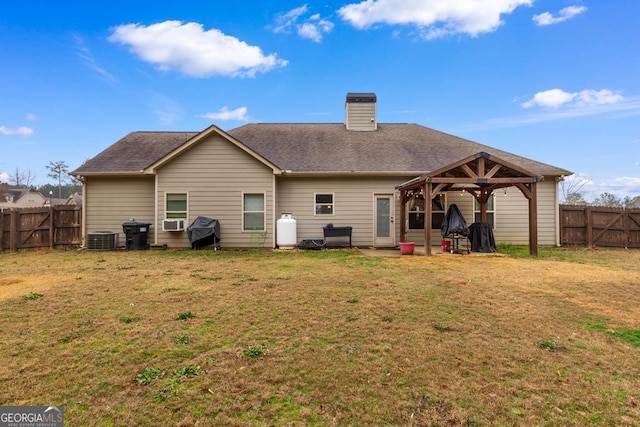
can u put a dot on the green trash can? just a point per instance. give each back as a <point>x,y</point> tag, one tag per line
<point>136,235</point>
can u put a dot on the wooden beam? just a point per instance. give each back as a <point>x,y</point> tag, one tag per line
<point>526,192</point>
<point>484,198</point>
<point>468,171</point>
<point>493,171</point>
<point>437,189</point>
<point>479,181</point>
<point>481,167</point>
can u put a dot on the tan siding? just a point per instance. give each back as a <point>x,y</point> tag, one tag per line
<point>111,201</point>
<point>359,115</point>
<point>214,174</point>
<point>353,200</point>
<point>512,215</point>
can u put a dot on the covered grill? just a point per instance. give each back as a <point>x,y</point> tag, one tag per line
<point>203,232</point>
<point>454,227</point>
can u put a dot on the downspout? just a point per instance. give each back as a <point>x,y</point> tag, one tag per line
<point>557,209</point>
<point>83,230</point>
<point>273,212</point>
<point>155,210</point>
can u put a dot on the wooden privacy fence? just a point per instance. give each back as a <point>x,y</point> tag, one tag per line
<point>600,226</point>
<point>45,227</point>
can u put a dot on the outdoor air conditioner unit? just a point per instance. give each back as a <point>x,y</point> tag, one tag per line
<point>102,241</point>
<point>173,225</point>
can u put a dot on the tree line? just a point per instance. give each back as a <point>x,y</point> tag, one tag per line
<point>64,184</point>
<point>571,193</point>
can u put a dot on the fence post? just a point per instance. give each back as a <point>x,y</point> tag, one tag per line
<point>589,218</point>
<point>14,233</point>
<point>52,231</point>
<point>626,227</point>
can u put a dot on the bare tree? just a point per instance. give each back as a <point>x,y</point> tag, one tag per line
<point>22,178</point>
<point>571,189</point>
<point>58,171</point>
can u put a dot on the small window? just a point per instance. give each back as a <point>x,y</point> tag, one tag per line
<point>416,212</point>
<point>176,205</point>
<point>324,204</point>
<point>253,211</point>
<point>491,211</point>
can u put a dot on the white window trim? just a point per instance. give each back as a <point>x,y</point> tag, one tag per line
<point>264,211</point>
<point>333,197</point>
<point>166,212</point>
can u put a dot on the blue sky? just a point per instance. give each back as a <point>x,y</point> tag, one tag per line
<point>553,80</point>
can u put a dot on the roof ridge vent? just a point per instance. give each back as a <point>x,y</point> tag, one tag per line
<point>361,111</point>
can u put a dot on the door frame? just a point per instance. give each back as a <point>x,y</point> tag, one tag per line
<point>386,241</point>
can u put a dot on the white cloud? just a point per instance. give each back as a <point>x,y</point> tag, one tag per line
<point>435,18</point>
<point>31,117</point>
<point>226,114</point>
<point>621,186</point>
<point>189,49</point>
<point>285,21</point>
<point>549,98</point>
<point>87,57</point>
<point>628,107</point>
<point>312,28</point>
<point>21,131</point>
<point>547,18</point>
<point>554,98</point>
<point>4,177</point>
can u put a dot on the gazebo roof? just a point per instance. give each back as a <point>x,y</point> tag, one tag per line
<point>476,171</point>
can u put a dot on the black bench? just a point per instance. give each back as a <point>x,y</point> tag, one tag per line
<point>337,232</point>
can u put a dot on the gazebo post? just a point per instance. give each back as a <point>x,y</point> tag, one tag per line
<point>403,215</point>
<point>428,212</point>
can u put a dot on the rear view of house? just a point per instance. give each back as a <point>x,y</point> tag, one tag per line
<point>351,174</point>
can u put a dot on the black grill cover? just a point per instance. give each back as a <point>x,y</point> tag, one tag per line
<point>481,236</point>
<point>203,232</point>
<point>454,222</point>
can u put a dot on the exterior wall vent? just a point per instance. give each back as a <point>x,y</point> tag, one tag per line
<point>102,241</point>
<point>361,111</point>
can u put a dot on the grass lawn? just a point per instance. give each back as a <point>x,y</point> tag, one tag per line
<point>323,337</point>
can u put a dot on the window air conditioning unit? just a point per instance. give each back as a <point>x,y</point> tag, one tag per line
<point>173,225</point>
<point>102,241</point>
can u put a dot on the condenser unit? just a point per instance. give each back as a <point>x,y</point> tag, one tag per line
<point>102,241</point>
<point>173,225</point>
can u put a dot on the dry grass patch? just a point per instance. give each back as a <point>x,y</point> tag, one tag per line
<point>323,338</point>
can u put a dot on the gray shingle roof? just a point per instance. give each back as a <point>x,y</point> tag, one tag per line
<point>392,148</point>
<point>317,147</point>
<point>135,152</point>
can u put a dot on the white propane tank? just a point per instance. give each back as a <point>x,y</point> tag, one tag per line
<point>286,231</point>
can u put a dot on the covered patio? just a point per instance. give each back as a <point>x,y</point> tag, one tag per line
<point>479,175</point>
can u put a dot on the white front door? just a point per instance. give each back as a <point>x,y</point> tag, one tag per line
<point>383,227</point>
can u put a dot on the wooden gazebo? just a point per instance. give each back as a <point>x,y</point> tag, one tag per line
<point>480,175</point>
